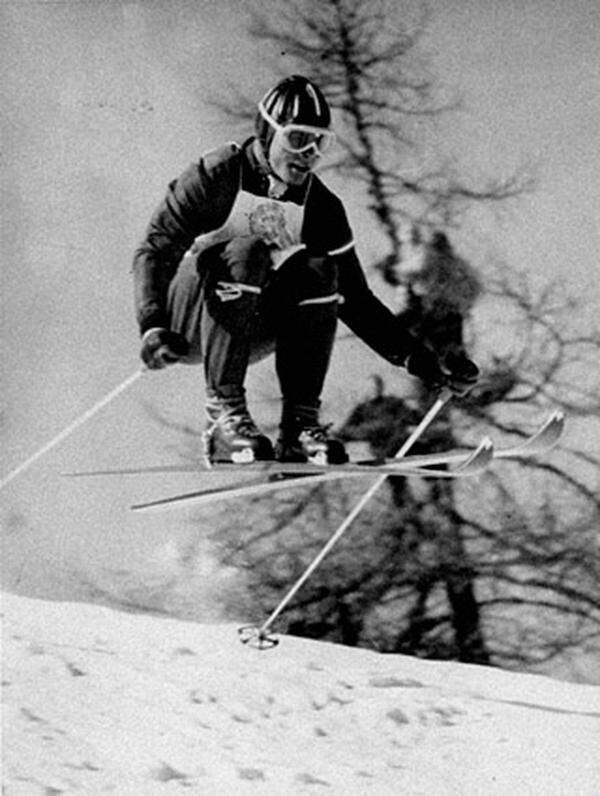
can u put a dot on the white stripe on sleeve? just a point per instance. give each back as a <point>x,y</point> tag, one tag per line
<point>342,249</point>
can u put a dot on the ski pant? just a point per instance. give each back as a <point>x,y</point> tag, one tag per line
<point>234,309</point>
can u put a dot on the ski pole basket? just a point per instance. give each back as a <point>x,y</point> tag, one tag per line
<point>257,637</point>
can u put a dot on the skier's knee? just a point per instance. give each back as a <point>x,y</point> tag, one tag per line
<point>244,259</point>
<point>247,260</point>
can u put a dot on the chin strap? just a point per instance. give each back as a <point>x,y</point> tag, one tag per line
<point>262,159</point>
<point>277,187</point>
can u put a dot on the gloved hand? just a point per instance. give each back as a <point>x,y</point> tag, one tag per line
<point>460,372</point>
<point>162,347</point>
<point>454,371</point>
<point>425,365</point>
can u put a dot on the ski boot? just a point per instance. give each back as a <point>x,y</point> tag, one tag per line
<point>232,436</point>
<point>307,441</point>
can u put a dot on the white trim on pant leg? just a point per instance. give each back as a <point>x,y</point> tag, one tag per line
<point>320,300</point>
<point>341,249</point>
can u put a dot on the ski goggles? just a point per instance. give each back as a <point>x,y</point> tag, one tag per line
<point>298,138</point>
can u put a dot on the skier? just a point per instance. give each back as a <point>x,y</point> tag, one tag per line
<point>250,253</point>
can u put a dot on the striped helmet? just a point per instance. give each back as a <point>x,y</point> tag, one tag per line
<point>294,100</point>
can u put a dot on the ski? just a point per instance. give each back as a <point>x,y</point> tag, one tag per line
<point>279,475</point>
<point>538,443</point>
<point>283,476</point>
<point>541,441</point>
<point>472,465</point>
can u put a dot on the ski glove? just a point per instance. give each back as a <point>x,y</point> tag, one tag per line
<point>161,347</point>
<point>454,371</point>
<point>460,372</point>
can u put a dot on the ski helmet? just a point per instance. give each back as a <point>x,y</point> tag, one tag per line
<point>294,100</point>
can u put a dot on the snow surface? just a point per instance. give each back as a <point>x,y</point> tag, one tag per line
<point>99,701</point>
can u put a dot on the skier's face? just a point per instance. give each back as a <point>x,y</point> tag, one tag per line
<point>291,167</point>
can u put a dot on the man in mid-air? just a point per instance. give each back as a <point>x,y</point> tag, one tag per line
<point>250,253</point>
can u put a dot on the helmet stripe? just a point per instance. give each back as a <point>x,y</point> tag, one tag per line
<point>294,100</point>
<point>313,94</point>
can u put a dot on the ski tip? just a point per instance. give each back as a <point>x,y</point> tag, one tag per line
<point>558,418</point>
<point>542,441</point>
<point>552,430</point>
<point>480,458</point>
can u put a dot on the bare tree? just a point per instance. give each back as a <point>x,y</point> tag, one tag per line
<point>366,58</point>
<point>505,571</point>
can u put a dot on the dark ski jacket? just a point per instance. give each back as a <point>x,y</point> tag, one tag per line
<point>200,201</point>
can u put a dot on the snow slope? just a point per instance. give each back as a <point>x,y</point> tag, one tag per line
<point>98,701</point>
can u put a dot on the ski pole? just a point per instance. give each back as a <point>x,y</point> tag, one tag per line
<point>261,633</point>
<point>71,427</point>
